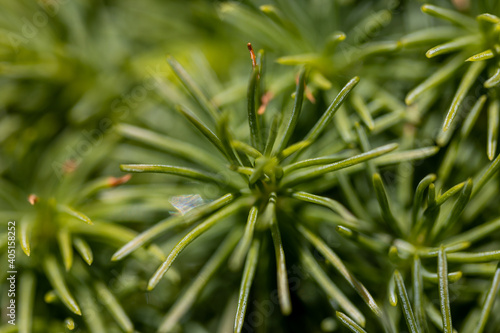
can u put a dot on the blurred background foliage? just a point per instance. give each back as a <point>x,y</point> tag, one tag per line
<point>79,80</point>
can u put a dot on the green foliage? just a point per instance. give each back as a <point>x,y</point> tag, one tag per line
<point>343,178</point>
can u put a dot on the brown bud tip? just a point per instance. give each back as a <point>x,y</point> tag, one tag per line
<point>115,181</point>
<point>310,96</point>
<point>307,91</point>
<point>461,5</point>
<point>265,99</point>
<point>32,199</point>
<point>69,166</point>
<point>252,55</point>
